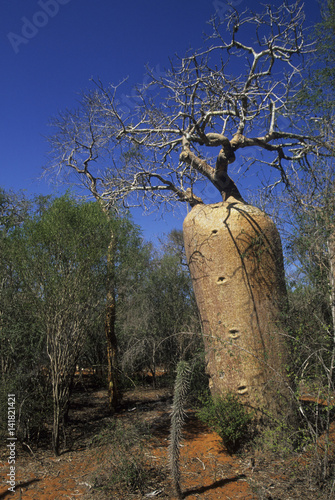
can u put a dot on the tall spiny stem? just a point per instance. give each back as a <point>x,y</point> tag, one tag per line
<point>181,388</point>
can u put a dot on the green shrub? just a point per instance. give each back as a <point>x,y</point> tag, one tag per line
<point>121,451</point>
<point>227,417</point>
<point>199,378</point>
<point>33,403</point>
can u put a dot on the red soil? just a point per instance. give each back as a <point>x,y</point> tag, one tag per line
<point>207,471</point>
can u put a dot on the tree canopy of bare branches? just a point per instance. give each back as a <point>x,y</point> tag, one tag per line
<point>187,124</point>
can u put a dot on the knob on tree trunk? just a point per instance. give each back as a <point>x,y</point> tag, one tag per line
<point>235,259</point>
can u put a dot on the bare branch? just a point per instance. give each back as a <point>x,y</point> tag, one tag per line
<point>231,94</point>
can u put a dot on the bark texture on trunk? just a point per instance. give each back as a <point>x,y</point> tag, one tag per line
<point>235,259</point>
<point>331,259</point>
<point>111,351</point>
<point>56,428</point>
<point>111,339</point>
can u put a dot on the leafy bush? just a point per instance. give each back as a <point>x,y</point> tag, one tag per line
<point>227,416</point>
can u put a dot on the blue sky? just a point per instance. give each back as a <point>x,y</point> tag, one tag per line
<point>51,48</point>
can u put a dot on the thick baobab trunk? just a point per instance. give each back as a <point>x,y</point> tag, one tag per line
<point>235,259</point>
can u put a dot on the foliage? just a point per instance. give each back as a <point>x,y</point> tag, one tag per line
<point>129,261</point>
<point>309,326</point>
<point>199,378</point>
<point>55,262</point>
<point>53,297</point>
<point>158,322</point>
<point>227,416</point>
<point>310,321</point>
<point>306,214</point>
<point>21,336</point>
<point>317,91</point>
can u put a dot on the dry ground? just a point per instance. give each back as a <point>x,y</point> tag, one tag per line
<point>99,459</point>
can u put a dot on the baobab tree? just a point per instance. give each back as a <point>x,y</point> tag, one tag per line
<point>185,128</point>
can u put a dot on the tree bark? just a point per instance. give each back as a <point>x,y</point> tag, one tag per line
<point>331,258</point>
<point>61,400</point>
<point>56,419</point>
<point>111,339</point>
<point>235,259</point>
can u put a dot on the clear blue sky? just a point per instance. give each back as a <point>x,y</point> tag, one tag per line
<point>51,48</point>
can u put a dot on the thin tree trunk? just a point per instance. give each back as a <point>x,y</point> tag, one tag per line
<point>56,422</point>
<point>153,368</point>
<point>331,257</point>
<point>331,260</point>
<point>61,387</point>
<point>110,329</point>
<point>113,395</point>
